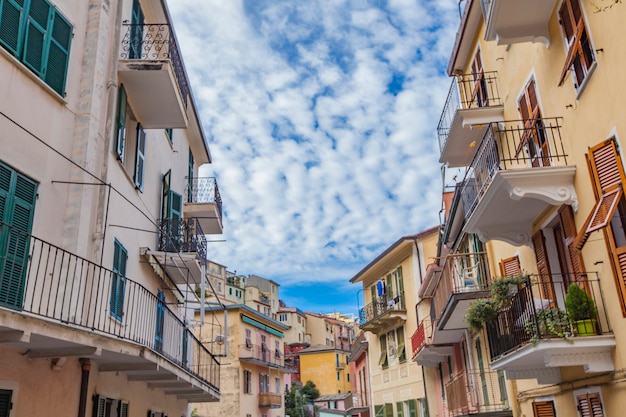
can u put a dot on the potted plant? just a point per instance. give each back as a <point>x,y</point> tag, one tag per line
<point>581,310</point>
<point>480,311</point>
<point>548,322</point>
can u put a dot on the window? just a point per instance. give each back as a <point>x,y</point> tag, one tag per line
<point>534,137</point>
<point>156,414</point>
<point>348,377</point>
<point>130,149</point>
<point>580,54</point>
<point>610,210</point>
<point>169,133</point>
<point>230,291</point>
<point>277,383</point>
<point>544,409</point>
<point>383,360</point>
<point>264,383</point>
<point>118,281</point>
<point>338,376</point>
<point>5,402</point>
<point>336,360</point>
<point>400,409</point>
<point>248,338</point>
<point>276,349</point>
<point>17,206</point>
<point>247,382</point>
<point>108,407</point>
<point>39,36</point>
<point>589,404</point>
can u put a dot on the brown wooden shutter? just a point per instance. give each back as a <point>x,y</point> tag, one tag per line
<point>544,409</point>
<point>576,264</point>
<point>543,266</point>
<point>510,267</point>
<point>590,405</point>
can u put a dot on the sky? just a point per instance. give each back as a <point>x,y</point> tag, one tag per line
<point>321,119</point>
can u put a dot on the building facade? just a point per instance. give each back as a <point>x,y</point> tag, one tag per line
<point>99,198</point>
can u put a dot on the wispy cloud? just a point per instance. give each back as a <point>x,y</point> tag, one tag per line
<point>321,117</point>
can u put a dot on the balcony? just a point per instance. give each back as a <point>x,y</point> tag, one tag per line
<point>269,400</point>
<point>425,353</point>
<point>66,304</point>
<point>473,102</point>
<point>521,344</point>
<point>465,277</point>
<point>181,250</point>
<point>204,203</point>
<point>261,355</point>
<point>519,170</point>
<point>384,311</point>
<point>478,393</point>
<point>153,74</point>
<point>512,21</point>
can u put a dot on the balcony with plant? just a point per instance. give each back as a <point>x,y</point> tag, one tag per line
<point>385,310</point>
<point>532,332</point>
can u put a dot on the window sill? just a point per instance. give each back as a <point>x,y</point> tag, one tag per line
<point>26,71</point>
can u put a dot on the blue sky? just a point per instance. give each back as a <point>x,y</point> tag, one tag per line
<point>321,117</point>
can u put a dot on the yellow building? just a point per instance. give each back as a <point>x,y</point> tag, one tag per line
<point>389,318</point>
<point>253,369</point>
<point>327,368</point>
<point>532,118</point>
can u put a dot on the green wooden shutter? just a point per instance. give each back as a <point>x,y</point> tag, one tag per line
<point>17,204</point>
<point>412,408</point>
<point>400,409</point>
<point>175,208</point>
<point>388,410</point>
<point>37,36</point>
<point>136,31</point>
<point>379,411</point>
<point>389,289</point>
<point>401,288</point>
<point>165,193</point>
<point>58,53</point>
<point>140,157</point>
<point>12,19</point>
<point>118,280</point>
<point>120,143</point>
<point>5,402</point>
<point>190,178</point>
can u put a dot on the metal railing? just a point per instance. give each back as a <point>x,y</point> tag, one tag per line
<point>535,303</point>
<point>476,393</point>
<point>467,91</point>
<point>508,145</point>
<point>461,273</point>
<point>204,190</point>
<point>381,306</point>
<point>268,399</point>
<point>181,235</point>
<point>261,353</point>
<point>41,279</point>
<point>422,336</point>
<point>153,42</point>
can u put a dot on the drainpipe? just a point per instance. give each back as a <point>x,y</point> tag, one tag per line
<point>84,385</point>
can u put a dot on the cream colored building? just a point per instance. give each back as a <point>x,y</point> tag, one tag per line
<point>253,371</point>
<point>390,283</point>
<point>102,216</point>
<point>533,117</point>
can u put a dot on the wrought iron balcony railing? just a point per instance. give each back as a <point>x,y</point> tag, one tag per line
<point>262,354</point>
<point>154,42</point>
<point>204,190</point>
<point>41,279</point>
<point>461,273</point>
<point>538,306</point>
<point>514,144</point>
<point>467,91</point>
<point>181,235</point>
<point>381,306</point>
<point>477,393</point>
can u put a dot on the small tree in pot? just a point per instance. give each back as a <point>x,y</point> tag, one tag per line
<point>581,310</point>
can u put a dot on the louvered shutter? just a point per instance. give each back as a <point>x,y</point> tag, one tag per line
<point>412,408</point>
<point>379,411</point>
<point>120,142</point>
<point>36,36</point>
<point>590,405</point>
<point>401,292</point>
<point>544,409</point>
<point>123,411</point>
<point>389,290</point>
<point>5,402</point>
<point>388,410</point>
<point>12,19</point>
<point>165,193</point>
<point>510,267</point>
<point>140,158</point>
<point>136,31</point>
<point>399,409</point>
<point>190,178</point>
<point>543,266</point>
<point>58,53</point>
<point>174,218</point>
<point>99,406</point>
<point>568,226</point>
<point>118,281</point>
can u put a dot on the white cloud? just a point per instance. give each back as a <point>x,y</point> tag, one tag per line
<point>320,167</point>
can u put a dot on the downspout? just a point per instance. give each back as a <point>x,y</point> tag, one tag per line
<point>84,385</point>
